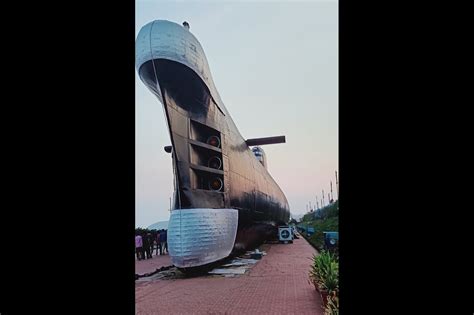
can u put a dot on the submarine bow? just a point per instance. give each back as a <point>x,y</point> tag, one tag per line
<point>222,194</point>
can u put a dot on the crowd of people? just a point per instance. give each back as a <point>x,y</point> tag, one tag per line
<point>146,242</point>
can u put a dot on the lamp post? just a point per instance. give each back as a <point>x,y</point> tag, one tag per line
<point>332,197</point>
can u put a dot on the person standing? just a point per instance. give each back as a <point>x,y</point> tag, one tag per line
<point>151,240</point>
<point>146,245</point>
<point>164,245</point>
<point>138,246</point>
<point>166,241</point>
<point>158,244</point>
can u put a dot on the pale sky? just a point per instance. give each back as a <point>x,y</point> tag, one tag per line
<point>275,65</point>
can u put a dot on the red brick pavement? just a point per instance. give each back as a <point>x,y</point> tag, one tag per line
<point>150,265</point>
<point>278,284</point>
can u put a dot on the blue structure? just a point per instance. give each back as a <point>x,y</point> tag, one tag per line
<point>331,240</point>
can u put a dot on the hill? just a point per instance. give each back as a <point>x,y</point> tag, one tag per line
<point>159,225</point>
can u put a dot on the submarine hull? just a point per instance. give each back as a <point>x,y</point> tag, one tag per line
<point>224,199</point>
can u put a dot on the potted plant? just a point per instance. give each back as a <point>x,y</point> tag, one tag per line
<point>314,274</point>
<point>317,271</point>
<point>330,282</point>
<point>324,274</point>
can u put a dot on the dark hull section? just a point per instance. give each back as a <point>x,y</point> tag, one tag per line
<point>214,167</point>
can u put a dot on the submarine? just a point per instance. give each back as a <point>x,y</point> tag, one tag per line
<point>224,199</point>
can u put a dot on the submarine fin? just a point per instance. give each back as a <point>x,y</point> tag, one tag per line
<point>268,140</point>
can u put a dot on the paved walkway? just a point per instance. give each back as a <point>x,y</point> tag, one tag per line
<point>150,265</point>
<point>278,284</point>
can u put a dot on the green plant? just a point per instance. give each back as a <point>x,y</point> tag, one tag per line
<point>330,280</point>
<point>325,272</point>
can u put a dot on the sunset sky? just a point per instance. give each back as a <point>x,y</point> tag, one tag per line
<point>275,65</point>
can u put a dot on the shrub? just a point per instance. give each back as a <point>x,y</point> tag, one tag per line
<point>325,271</point>
<point>325,275</point>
